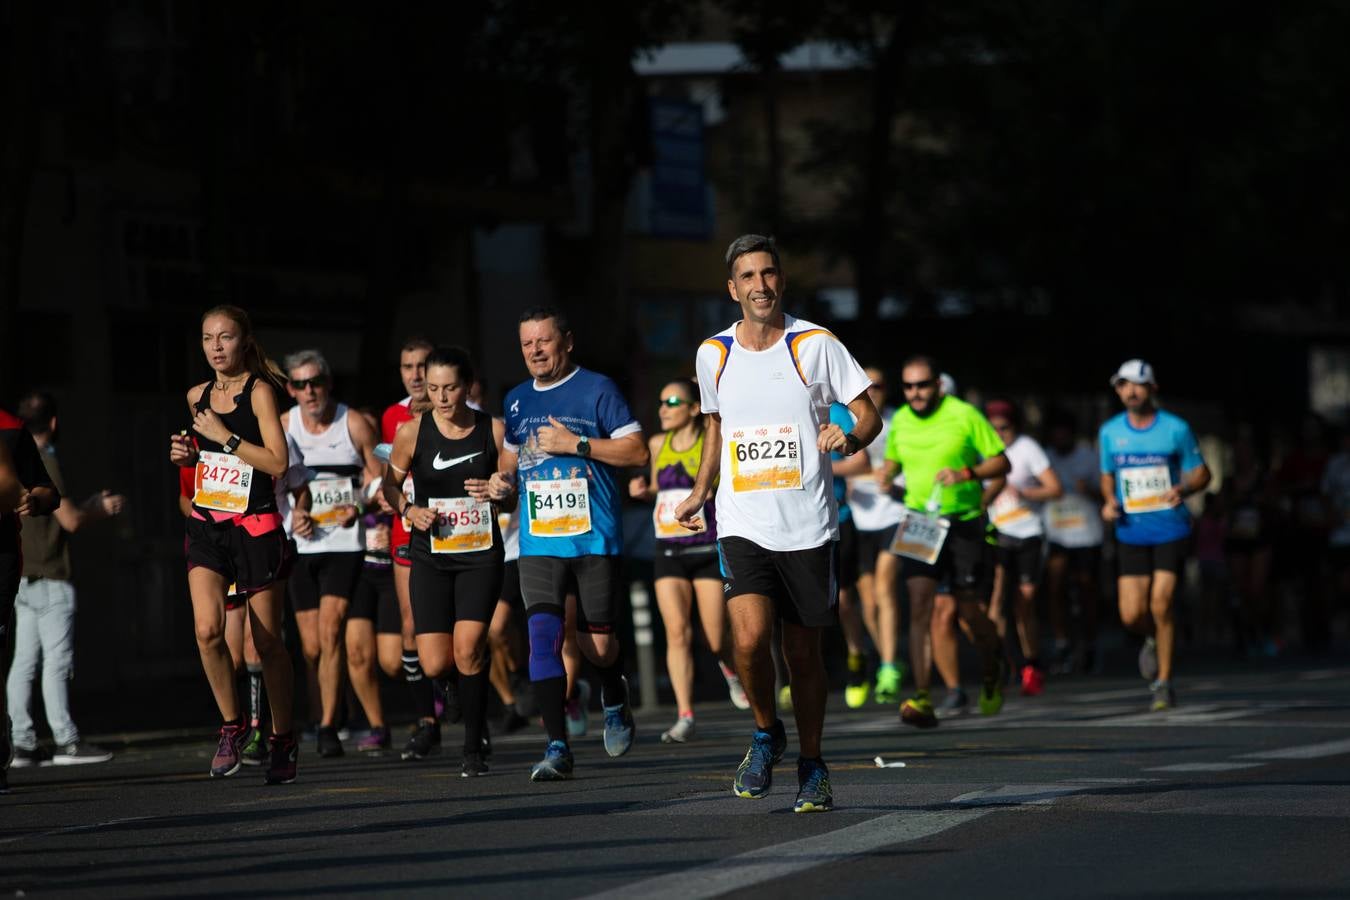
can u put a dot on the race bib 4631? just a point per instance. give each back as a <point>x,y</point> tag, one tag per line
<point>326,496</point>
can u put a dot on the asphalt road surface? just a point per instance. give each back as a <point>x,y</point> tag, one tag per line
<point>1242,791</point>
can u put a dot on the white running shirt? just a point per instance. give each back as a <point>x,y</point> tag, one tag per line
<point>776,488</point>
<point>872,509</point>
<point>1011,513</point>
<point>1074,520</point>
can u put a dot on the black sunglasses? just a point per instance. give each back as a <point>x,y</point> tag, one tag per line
<point>915,385</point>
<point>301,383</point>
<point>673,401</point>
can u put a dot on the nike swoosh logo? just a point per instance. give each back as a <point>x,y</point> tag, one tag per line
<point>439,463</point>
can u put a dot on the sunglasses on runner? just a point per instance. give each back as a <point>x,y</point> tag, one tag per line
<point>300,384</point>
<point>916,385</point>
<point>673,401</point>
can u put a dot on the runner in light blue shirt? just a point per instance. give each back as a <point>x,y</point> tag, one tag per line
<point>1150,463</point>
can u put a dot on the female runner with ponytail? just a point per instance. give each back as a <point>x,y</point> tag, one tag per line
<point>235,531</point>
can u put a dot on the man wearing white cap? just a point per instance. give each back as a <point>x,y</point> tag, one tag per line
<point>1150,463</point>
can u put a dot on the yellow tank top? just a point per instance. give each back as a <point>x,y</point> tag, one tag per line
<point>687,459</point>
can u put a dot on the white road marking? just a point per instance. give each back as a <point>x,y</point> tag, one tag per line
<point>1206,767</point>
<point>1033,794</point>
<point>767,863</point>
<point>1306,751</point>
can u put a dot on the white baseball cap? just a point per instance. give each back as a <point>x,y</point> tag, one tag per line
<point>1135,370</point>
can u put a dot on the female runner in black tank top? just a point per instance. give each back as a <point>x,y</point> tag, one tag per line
<point>452,452</point>
<point>236,414</point>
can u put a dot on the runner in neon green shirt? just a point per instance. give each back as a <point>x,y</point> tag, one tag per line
<point>945,447</point>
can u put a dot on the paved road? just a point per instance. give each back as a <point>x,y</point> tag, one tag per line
<point>1244,791</point>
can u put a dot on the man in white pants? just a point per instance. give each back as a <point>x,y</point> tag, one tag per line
<point>44,612</point>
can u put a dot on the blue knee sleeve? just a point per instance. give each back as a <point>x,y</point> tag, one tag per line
<point>546,640</point>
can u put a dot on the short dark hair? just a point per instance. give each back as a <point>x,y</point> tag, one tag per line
<point>37,408</point>
<point>540,313</point>
<point>453,356</point>
<point>921,359</point>
<point>416,342</point>
<point>751,243</point>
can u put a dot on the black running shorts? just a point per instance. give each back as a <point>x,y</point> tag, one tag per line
<point>547,580</point>
<point>803,584</point>
<point>966,561</point>
<point>1020,558</point>
<point>1145,559</point>
<point>847,567</point>
<point>324,575</point>
<point>686,562</point>
<point>375,599</point>
<point>442,597</point>
<point>871,544</point>
<point>250,562</point>
<point>1081,559</point>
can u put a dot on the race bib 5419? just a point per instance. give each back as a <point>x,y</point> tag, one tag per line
<point>560,508</point>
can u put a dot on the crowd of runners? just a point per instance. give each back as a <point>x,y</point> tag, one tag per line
<point>464,554</point>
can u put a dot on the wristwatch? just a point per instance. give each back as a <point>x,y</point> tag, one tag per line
<point>584,447</point>
<point>851,444</point>
<point>232,443</point>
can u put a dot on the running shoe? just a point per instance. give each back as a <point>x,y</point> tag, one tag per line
<point>682,732</point>
<point>512,720</point>
<point>254,750</point>
<point>813,787</point>
<point>474,765</point>
<point>918,711</point>
<point>1148,659</point>
<point>1061,658</point>
<point>285,752</point>
<point>328,743</point>
<point>1164,698</point>
<point>577,710</point>
<point>23,758</point>
<point>785,697</point>
<point>619,725</point>
<point>954,704</point>
<point>754,776</point>
<point>376,741</point>
<point>1033,681</point>
<point>991,692</point>
<point>425,741</point>
<point>887,690</point>
<point>857,688</point>
<point>526,705</point>
<point>226,761</point>
<point>556,764</point>
<point>736,692</point>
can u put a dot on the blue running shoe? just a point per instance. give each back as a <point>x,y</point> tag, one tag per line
<point>755,774</point>
<point>619,726</point>
<point>813,791</point>
<point>556,764</point>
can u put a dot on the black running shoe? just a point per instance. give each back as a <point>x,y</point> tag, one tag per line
<point>513,721</point>
<point>425,741</point>
<point>329,745</point>
<point>285,752</point>
<point>474,765</point>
